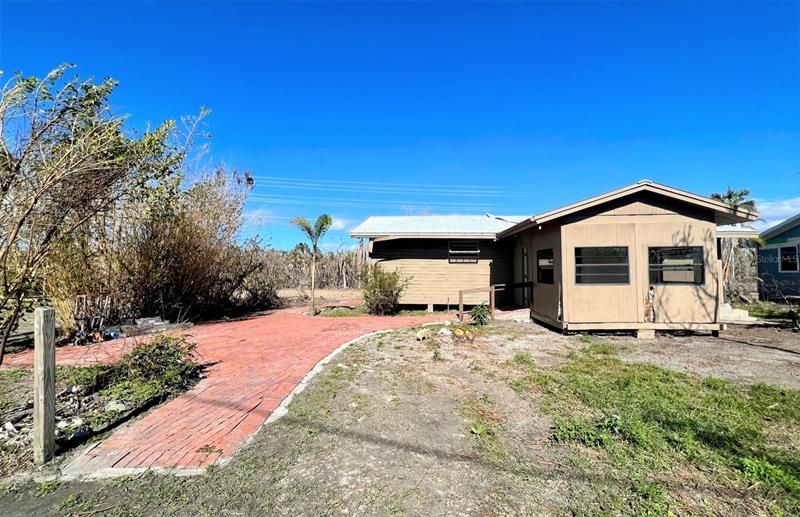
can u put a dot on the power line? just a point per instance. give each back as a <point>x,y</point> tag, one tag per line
<point>378,183</point>
<point>388,190</point>
<point>359,200</point>
<point>343,186</point>
<point>361,204</point>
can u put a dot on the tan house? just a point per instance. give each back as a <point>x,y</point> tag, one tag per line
<point>640,258</point>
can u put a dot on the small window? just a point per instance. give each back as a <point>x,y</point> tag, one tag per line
<point>788,259</point>
<point>677,265</point>
<point>544,266</point>
<point>463,252</point>
<point>606,265</point>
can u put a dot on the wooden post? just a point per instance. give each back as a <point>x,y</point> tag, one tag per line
<point>491,301</point>
<point>44,385</point>
<point>461,305</point>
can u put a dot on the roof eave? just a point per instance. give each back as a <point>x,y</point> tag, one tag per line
<point>424,235</point>
<point>519,227</point>
<point>737,234</point>
<point>780,227</point>
<point>724,214</point>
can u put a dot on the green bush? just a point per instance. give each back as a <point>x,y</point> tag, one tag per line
<point>166,361</point>
<point>481,314</point>
<point>382,290</point>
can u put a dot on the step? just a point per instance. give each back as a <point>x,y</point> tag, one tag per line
<point>736,315</point>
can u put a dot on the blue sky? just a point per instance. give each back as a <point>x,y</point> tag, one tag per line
<point>393,108</point>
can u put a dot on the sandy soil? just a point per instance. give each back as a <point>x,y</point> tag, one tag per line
<point>325,297</point>
<point>390,428</point>
<point>742,354</point>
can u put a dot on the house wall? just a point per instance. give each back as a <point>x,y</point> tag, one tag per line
<point>545,298</point>
<point>434,280</point>
<point>639,222</point>
<point>776,284</point>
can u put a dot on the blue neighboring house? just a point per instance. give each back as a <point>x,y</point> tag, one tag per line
<point>777,261</point>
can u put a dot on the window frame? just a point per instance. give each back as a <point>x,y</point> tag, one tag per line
<point>796,259</point>
<point>463,256</point>
<point>694,266</point>
<point>540,269</point>
<point>627,265</point>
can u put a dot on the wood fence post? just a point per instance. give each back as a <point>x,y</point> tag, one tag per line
<point>491,301</point>
<point>44,385</point>
<point>461,305</point>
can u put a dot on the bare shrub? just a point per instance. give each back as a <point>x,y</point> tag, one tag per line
<point>170,252</point>
<point>64,160</point>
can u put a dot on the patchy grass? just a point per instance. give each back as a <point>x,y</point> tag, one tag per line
<point>345,312</point>
<point>150,373</point>
<point>361,310</point>
<point>769,311</point>
<point>655,425</point>
<point>388,429</point>
<point>484,424</point>
<point>14,387</point>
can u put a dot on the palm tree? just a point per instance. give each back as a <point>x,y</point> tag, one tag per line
<point>736,198</point>
<point>314,233</point>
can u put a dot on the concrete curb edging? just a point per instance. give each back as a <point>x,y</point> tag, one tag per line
<point>283,408</point>
<point>69,472</point>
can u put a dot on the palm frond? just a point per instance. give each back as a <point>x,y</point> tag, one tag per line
<point>322,225</point>
<point>303,224</point>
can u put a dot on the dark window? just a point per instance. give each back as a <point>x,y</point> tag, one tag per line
<point>789,259</point>
<point>677,265</point>
<point>463,252</point>
<point>544,266</point>
<point>606,265</point>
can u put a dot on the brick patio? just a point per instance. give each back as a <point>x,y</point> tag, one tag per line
<point>254,364</point>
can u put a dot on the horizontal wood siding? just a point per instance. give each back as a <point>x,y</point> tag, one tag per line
<point>433,279</point>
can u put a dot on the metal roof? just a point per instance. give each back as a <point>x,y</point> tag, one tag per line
<point>781,227</point>
<point>490,226</point>
<point>737,231</point>
<point>436,226</point>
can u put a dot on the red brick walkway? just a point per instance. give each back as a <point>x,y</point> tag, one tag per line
<point>255,364</point>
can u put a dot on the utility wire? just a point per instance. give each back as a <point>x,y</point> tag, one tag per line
<point>432,189</point>
<point>378,183</point>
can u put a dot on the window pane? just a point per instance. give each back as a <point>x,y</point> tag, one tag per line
<point>603,265</point>
<point>606,255</point>
<point>789,259</point>
<point>544,266</point>
<point>677,265</point>
<point>615,269</point>
<point>601,279</point>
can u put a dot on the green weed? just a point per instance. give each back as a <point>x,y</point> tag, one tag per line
<point>48,487</point>
<point>649,420</point>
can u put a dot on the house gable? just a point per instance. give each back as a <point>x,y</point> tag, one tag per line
<point>720,213</point>
<point>787,235</point>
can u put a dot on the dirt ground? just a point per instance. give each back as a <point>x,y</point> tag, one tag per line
<point>742,354</point>
<point>396,425</point>
<point>295,296</point>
